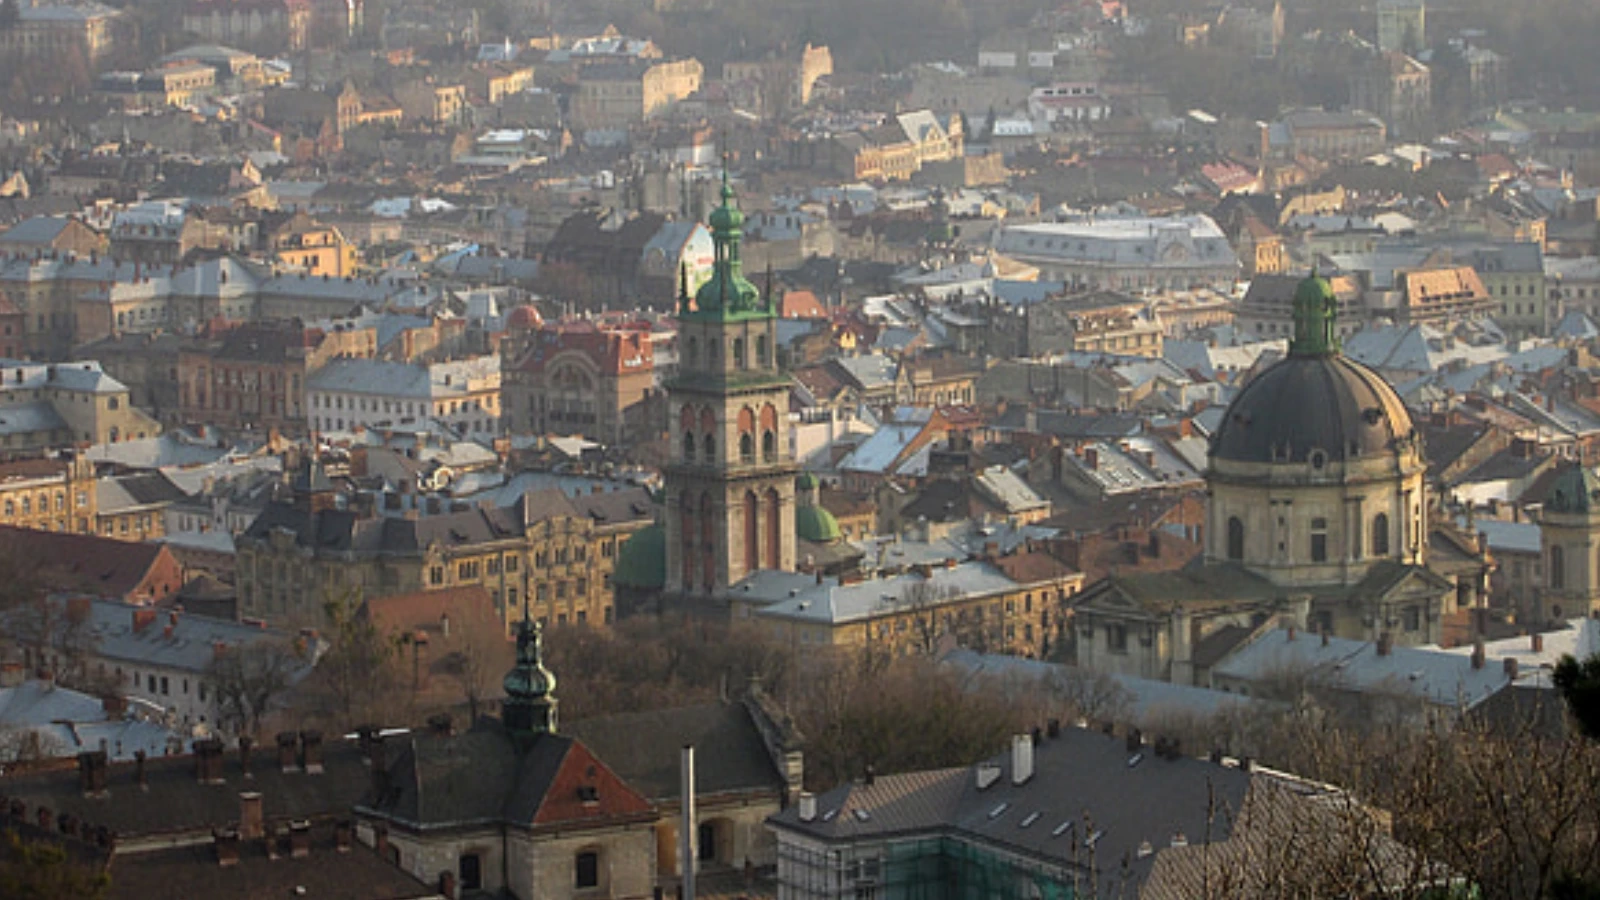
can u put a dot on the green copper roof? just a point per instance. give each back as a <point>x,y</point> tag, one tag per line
<point>816,524</point>
<point>1576,490</point>
<point>529,680</point>
<point>1316,312</point>
<point>727,295</point>
<point>642,560</point>
<point>806,481</point>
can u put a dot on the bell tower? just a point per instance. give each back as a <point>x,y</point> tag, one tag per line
<point>730,483</point>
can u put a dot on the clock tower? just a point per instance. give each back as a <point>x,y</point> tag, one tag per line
<point>730,487</point>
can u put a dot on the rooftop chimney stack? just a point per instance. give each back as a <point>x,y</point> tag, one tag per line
<point>311,752</point>
<point>1538,643</point>
<point>1509,666</point>
<point>92,772</point>
<point>288,751</point>
<point>208,761</point>
<point>1478,653</point>
<point>1021,759</point>
<point>252,825</point>
<point>1385,643</point>
<point>299,839</point>
<point>808,806</point>
<point>244,755</point>
<point>226,841</point>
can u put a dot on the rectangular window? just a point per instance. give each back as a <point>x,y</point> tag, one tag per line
<point>1319,540</point>
<point>436,575</point>
<point>1117,638</point>
<point>588,870</point>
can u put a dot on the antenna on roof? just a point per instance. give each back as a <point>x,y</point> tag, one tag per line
<point>769,284</point>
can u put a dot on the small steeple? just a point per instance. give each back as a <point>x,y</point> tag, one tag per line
<point>728,291</point>
<point>530,705</point>
<point>1316,313</point>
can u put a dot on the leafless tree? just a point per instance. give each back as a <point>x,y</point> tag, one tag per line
<point>249,680</point>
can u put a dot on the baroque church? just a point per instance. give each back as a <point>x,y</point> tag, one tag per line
<point>1318,518</point>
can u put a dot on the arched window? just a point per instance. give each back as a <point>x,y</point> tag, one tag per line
<point>769,446</point>
<point>738,353</point>
<point>688,446</point>
<point>1235,538</point>
<point>1380,534</point>
<point>752,539</point>
<point>1558,568</point>
<point>747,435</point>
<point>691,354</point>
<point>708,425</point>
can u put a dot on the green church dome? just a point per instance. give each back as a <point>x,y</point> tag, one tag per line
<point>816,524</point>
<point>642,560</point>
<point>806,482</point>
<point>1576,490</point>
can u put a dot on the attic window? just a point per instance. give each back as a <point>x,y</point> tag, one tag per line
<point>588,793</point>
<point>1061,829</point>
<point>999,811</point>
<point>861,815</point>
<point>1029,819</point>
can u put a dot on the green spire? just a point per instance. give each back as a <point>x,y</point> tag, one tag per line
<point>530,705</point>
<point>728,293</point>
<point>1316,312</point>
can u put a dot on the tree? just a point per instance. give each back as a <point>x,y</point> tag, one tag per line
<point>248,680</point>
<point>360,668</point>
<point>39,870</point>
<point>1579,684</point>
<point>478,655</point>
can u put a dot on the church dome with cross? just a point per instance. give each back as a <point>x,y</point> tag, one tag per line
<point>1316,470</point>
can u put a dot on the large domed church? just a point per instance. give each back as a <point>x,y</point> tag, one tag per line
<point>1318,518</point>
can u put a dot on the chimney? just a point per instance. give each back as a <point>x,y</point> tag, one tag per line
<point>1291,632</point>
<point>987,774</point>
<point>1324,632</point>
<point>1385,643</point>
<point>1091,457</point>
<point>139,777</point>
<point>288,747</point>
<point>251,822</point>
<point>378,761</point>
<point>92,772</point>
<point>1021,758</point>
<point>1478,653</point>
<point>311,752</point>
<point>208,761</point>
<point>808,806</point>
<point>380,839</point>
<point>1053,728</point>
<point>226,840</point>
<point>343,835</point>
<point>143,617</point>
<point>299,839</point>
<point>1510,667</point>
<point>1537,640</point>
